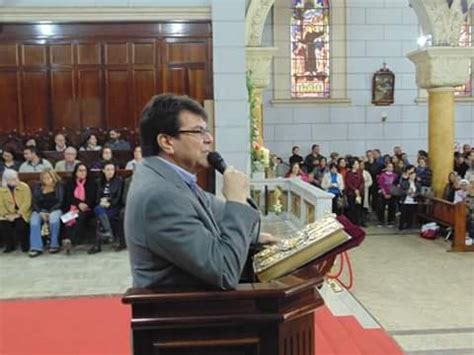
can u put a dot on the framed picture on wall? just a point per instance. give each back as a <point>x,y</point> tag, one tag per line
<point>383,87</point>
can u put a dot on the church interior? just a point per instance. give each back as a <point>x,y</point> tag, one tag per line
<point>360,109</point>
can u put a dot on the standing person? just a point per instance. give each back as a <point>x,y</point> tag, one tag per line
<point>375,169</point>
<point>47,201</point>
<point>107,209</point>
<point>320,171</point>
<point>176,233</point>
<point>451,187</point>
<point>460,165</point>
<point>342,167</point>
<point>367,185</point>
<point>354,189</point>
<point>296,172</point>
<point>79,197</point>
<point>410,190</point>
<point>386,182</point>
<point>295,156</point>
<point>333,182</point>
<point>312,159</point>
<point>423,172</point>
<point>15,211</point>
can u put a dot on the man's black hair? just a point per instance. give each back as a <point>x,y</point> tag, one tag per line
<point>161,116</point>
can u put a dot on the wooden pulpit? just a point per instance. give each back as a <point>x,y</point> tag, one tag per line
<point>267,318</point>
<point>273,318</point>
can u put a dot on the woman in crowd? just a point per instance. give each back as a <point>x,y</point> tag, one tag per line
<point>47,201</point>
<point>106,156</point>
<point>320,171</point>
<point>137,158</point>
<point>296,172</point>
<point>451,187</point>
<point>79,198</point>
<point>109,194</point>
<point>386,182</point>
<point>410,189</point>
<point>354,189</point>
<point>342,167</point>
<point>90,143</point>
<point>367,184</point>
<point>9,161</point>
<point>463,191</point>
<point>334,183</point>
<point>15,211</point>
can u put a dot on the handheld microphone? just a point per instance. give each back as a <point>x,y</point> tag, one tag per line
<point>217,162</point>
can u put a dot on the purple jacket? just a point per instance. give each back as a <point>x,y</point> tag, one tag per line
<point>386,180</point>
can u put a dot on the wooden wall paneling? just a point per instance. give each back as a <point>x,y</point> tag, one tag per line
<point>197,83</point>
<point>90,96</point>
<point>9,100</point>
<point>176,80</point>
<point>118,92</point>
<point>63,99</point>
<point>88,53</point>
<point>61,54</point>
<point>9,55</point>
<point>116,52</point>
<point>34,54</point>
<point>144,86</point>
<point>34,99</point>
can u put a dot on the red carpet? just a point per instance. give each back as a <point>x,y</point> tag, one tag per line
<point>100,326</point>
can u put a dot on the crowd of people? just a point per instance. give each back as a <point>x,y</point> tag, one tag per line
<point>39,217</point>
<point>385,186</point>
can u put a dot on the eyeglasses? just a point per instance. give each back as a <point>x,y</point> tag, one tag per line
<point>204,132</point>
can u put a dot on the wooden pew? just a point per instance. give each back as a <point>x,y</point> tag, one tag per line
<point>449,214</point>
<point>120,157</point>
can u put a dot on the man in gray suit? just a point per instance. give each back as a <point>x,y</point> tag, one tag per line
<point>177,234</point>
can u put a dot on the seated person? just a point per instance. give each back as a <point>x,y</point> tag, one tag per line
<point>8,161</point>
<point>410,190</point>
<point>15,211</point>
<point>69,162</point>
<point>106,156</point>
<point>451,186</point>
<point>31,142</point>
<point>137,158</point>
<point>90,143</point>
<point>33,163</point>
<point>109,198</point>
<point>79,197</point>
<point>60,142</point>
<point>115,143</point>
<point>47,201</point>
<point>461,194</point>
<point>121,244</point>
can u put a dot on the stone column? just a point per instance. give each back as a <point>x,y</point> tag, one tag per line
<point>439,69</point>
<point>259,60</point>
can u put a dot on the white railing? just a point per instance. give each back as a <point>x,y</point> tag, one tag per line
<point>295,199</point>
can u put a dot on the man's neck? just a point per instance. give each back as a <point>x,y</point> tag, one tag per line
<point>169,159</point>
<point>35,161</point>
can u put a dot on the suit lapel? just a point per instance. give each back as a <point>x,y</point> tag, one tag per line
<point>198,199</point>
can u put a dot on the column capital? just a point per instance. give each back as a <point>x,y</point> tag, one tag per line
<point>442,19</point>
<point>259,60</point>
<point>438,67</point>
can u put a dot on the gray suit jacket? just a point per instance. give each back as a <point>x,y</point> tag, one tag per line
<point>174,240</point>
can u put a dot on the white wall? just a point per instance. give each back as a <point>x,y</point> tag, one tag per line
<point>377,31</point>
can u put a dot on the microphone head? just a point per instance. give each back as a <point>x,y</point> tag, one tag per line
<point>217,162</point>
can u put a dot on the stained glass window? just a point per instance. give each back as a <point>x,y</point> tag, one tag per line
<point>310,49</point>
<point>465,41</point>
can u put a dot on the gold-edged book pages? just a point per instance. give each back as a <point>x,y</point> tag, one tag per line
<point>305,245</point>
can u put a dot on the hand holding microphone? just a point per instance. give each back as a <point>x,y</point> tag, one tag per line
<point>236,183</point>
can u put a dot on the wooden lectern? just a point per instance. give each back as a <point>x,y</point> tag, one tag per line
<point>273,318</point>
<point>270,318</point>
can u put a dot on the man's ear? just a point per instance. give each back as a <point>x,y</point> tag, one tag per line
<point>165,143</point>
